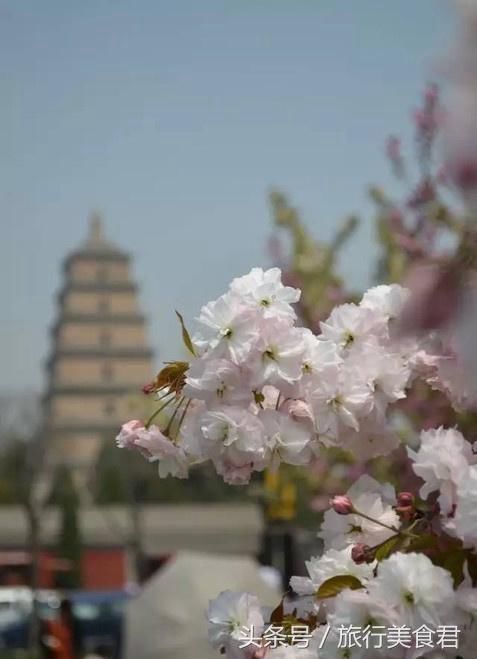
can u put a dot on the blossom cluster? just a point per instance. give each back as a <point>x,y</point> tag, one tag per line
<point>447,464</point>
<point>407,593</point>
<point>261,390</point>
<point>374,574</point>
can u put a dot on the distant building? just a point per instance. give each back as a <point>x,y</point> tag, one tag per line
<point>100,354</point>
<point>222,528</point>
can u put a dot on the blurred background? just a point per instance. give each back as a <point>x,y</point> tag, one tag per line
<point>152,151</point>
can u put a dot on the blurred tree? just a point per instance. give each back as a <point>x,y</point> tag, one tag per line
<point>114,468</point>
<point>310,264</point>
<point>69,546</point>
<point>421,226</point>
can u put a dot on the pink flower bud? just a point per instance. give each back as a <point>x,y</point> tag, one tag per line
<point>361,553</point>
<point>148,388</point>
<point>341,504</point>
<point>405,499</point>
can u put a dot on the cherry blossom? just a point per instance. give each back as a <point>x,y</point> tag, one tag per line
<point>421,593</point>
<point>442,461</point>
<point>374,500</point>
<point>260,391</point>
<point>128,434</point>
<point>265,290</point>
<point>228,614</point>
<point>331,563</point>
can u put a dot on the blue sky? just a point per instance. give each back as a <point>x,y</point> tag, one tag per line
<point>174,118</point>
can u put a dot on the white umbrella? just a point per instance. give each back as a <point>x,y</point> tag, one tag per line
<point>167,620</point>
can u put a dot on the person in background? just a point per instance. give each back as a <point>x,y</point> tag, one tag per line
<point>59,638</point>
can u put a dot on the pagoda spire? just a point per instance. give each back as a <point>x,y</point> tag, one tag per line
<point>96,231</point>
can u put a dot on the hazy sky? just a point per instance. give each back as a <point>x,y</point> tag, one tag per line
<point>173,118</point>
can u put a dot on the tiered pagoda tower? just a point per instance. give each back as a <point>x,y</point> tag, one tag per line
<point>100,355</point>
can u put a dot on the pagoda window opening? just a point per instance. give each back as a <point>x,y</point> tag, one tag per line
<point>107,372</point>
<point>109,408</point>
<point>105,338</point>
<point>102,273</point>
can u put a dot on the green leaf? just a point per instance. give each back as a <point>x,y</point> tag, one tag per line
<point>422,543</point>
<point>386,548</point>
<point>185,335</point>
<point>335,585</point>
<point>423,505</point>
<point>453,561</point>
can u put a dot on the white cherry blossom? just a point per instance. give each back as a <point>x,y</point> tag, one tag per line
<point>235,441</point>
<point>157,447</point>
<point>419,591</point>
<point>388,300</point>
<point>462,523</point>
<point>217,381</point>
<point>228,614</point>
<point>349,325</point>
<point>371,498</point>
<point>264,289</point>
<point>360,609</point>
<point>319,355</point>
<point>442,461</point>
<point>280,354</point>
<point>288,440</point>
<point>331,563</point>
<point>339,398</point>
<point>227,327</point>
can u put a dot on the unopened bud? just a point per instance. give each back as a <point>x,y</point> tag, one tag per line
<point>341,504</point>
<point>361,553</point>
<point>406,512</point>
<point>405,506</point>
<point>148,388</point>
<point>405,499</point>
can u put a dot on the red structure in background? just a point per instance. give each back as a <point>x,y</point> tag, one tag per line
<point>102,568</point>
<point>224,528</point>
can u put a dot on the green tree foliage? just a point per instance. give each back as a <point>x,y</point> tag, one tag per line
<point>119,472</point>
<point>69,545</point>
<point>311,264</point>
<point>13,464</point>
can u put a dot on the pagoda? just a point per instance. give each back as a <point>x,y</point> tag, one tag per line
<point>100,356</point>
